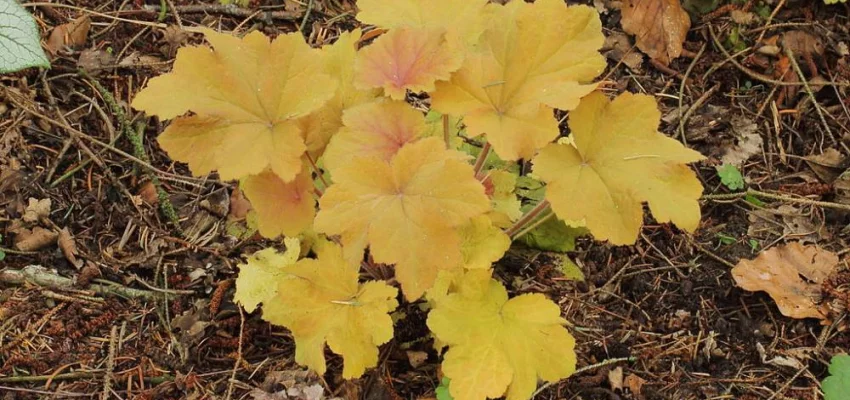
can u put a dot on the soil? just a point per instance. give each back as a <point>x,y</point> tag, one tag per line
<point>662,319</point>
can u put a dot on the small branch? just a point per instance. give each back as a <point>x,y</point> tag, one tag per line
<point>526,219</point>
<point>775,196</point>
<point>41,276</point>
<point>482,157</point>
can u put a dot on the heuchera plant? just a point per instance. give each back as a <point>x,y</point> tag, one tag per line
<point>333,159</point>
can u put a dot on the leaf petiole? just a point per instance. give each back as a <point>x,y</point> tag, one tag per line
<point>482,157</point>
<point>526,220</point>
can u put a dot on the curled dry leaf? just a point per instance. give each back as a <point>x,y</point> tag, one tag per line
<point>68,246</point>
<point>748,141</point>
<point>72,34</point>
<point>827,165</point>
<point>32,240</point>
<point>36,210</point>
<point>660,27</point>
<point>791,274</point>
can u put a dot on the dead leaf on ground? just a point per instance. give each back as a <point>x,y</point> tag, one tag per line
<point>416,358</point>
<point>827,165</point>
<point>791,274</point>
<point>192,323</point>
<point>660,27</point>
<point>36,210</point>
<point>35,239</point>
<point>635,385</point>
<point>239,205</point>
<point>781,361</point>
<point>615,378</point>
<point>801,43</point>
<point>290,385</point>
<point>147,192</point>
<point>72,34</point>
<point>748,141</point>
<point>95,61</point>
<point>68,246</point>
<point>789,221</point>
<point>173,37</point>
<point>619,48</point>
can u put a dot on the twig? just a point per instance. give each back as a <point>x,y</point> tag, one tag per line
<point>681,130</point>
<point>697,104</point>
<point>527,218</point>
<point>755,75</point>
<point>135,137</point>
<point>775,196</point>
<point>110,363</point>
<point>805,82</point>
<point>585,369</point>
<point>40,276</point>
<point>532,226</point>
<point>224,9</point>
<point>306,16</point>
<point>238,355</point>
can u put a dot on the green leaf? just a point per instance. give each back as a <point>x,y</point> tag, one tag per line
<point>569,268</point>
<point>530,188</point>
<point>552,235</point>
<point>442,391</point>
<point>726,239</point>
<point>753,200</point>
<point>19,39</point>
<point>837,385</point>
<point>731,177</point>
<point>2,255</point>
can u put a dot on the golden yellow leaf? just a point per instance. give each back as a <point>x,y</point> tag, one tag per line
<point>246,96</point>
<point>619,160</point>
<point>483,243</point>
<point>264,267</point>
<point>463,20</point>
<point>376,129</point>
<point>321,302</point>
<point>322,124</point>
<point>498,346</point>
<point>283,208</point>
<point>533,57</point>
<point>407,210</point>
<point>406,59</point>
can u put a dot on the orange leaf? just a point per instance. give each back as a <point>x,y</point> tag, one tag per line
<point>374,129</point>
<point>246,95</point>
<point>407,210</point>
<point>659,26</point>
<point>406,59</point>
<point>283,208</point>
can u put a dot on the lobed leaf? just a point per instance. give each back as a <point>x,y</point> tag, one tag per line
<point>406,59</point>
<point>320,301</point>
<point>499,346</point>
<point>378,129</point>
<point>463,20</point>
<point>406,210</point>
<point>246,96</point>
<point>283,208</point>
<point>618,161</point>
<point>262,268</point>
<point>533,57</point>
<point>338,61</point>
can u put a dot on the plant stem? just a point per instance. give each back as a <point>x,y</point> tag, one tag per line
<point>317,170</point>
<point>534,224</point>
<point>446,137</point>
<point>482,157</point>
<point>526,219</point>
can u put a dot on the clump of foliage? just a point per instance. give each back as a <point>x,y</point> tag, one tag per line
<point>333,159</point>
<point>837,385</point>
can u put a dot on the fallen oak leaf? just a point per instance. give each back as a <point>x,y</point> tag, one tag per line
<point>791,274</point>
<point>659,26</point>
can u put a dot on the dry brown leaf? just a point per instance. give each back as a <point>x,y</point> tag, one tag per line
<point>791,274</point>
<point>72,34</point>
<point>748,141</point>
<point>68,246</point>
<point>416,358</point>
<point>239,205</point>
<point>660,27</point>
<point>95,61</point>
<point>32,240</point>
<point>617,47</point>
<point>36,210</point>
<point>801,43</point>
<point>635,385</point>
<point>827,165</point>
<point>147,192</point>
